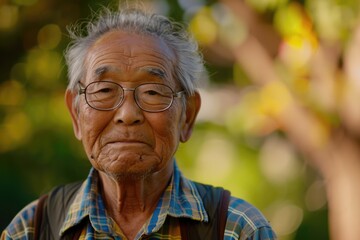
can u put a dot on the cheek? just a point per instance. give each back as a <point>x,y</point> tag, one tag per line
<point>92,124</point>
<point>167,133</point>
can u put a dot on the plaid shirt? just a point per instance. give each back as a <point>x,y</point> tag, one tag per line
<point>180,199</point>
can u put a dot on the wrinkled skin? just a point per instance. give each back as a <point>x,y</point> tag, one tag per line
<point>132,149</point>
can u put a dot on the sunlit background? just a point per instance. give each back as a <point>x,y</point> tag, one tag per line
<point>283,77</point>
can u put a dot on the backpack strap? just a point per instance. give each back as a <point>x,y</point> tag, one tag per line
<point>38,215</point>
<point>51,212</point>
<point>216,202</point>
<point>223,211</point>
<point>53,207</point>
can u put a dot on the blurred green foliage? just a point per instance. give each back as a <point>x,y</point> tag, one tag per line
<point>38,149</point>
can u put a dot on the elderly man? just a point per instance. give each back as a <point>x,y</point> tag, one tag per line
<point>132,98</point>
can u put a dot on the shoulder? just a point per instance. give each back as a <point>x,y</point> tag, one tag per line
<point>245,221</point>
<point>22,226</point>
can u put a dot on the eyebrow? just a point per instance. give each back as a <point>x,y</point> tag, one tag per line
<point>105,69</point>
<point>101,70</point>
<point>155,72</point>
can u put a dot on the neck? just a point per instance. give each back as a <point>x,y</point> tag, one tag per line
<point>131,201</point>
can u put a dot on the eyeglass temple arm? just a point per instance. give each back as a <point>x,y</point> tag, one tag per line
<point>178,94</point>
<point>81,89</point>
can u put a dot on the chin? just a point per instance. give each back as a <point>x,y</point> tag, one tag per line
<point>129,175</point>
<point>129,166</point>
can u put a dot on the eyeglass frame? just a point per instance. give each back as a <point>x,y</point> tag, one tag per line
<point>173,95</point>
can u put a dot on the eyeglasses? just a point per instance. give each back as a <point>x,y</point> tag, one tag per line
<point>150,97</point>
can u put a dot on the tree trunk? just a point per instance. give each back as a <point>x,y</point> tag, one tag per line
<point>332,149</point>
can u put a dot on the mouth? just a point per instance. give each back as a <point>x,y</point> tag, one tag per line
<point>121,139</point>
<point>126,142</point>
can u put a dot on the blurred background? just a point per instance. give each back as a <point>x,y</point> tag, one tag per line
<point>280,113</point>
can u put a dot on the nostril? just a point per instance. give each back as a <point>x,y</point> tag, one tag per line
<point>134,122</point>
<point>129,113</point>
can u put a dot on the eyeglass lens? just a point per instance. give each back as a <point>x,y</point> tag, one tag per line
<point>149,97</point>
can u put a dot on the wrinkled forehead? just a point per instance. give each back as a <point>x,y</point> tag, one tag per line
<point>129,53</point>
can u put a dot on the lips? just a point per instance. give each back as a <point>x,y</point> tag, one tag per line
<point>126,142</point>
<point>125,138</point>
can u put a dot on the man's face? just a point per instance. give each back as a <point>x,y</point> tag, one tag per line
<point>128,141</point>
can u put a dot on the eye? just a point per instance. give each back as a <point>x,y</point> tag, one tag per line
<point>152,92</point>
<point>101,88</point>
<point>100,91</point>
<point>104,90</point>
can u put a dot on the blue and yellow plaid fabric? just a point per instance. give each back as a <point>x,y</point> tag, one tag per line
<point>181,199</point>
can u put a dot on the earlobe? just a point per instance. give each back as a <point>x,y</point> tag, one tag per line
<point>70,103</point>
<point>192,108</point>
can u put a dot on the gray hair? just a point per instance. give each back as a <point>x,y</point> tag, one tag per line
<point>189,64</point>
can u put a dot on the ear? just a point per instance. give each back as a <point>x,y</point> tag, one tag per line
<point>70,103</point>
<point>192,108</point>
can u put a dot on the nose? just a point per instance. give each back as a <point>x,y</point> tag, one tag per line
<point>129,112</point>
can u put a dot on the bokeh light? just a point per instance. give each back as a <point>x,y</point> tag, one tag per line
<point>43,67</point>
<point>204,27</point>
<point>15,130</point>
<point>9,15</point>
<point>12,93</point>
<point>278,161</point>
<point>315,196</point>
<point>49,36</point>
<point>25,2</point>
<point>286,219</point>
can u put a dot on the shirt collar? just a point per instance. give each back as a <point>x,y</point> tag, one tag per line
<point>180,199</point>
<point>185,200</point>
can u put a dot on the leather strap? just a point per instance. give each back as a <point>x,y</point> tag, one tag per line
<point>183,229</point>
<point>38,216</point>
<point>222,212</point>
